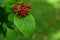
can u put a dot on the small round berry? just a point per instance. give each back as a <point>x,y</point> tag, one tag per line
<point>28,6</point>
<point>24,15</point>
<point>18,11</point>
<point>22,4</point>
<point>23,12</point>
<point>15,7</point>
<point>21,7</point>
<point>27,11</point>
<point>24,7</point>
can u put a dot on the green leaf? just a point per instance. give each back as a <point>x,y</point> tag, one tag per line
<point>1,29</point>
<point>8,9</point>
<point>11,34</point>
<point>2,37</point>
<point>11,17</point>
<point>26,24</point>
<point>9,2</point>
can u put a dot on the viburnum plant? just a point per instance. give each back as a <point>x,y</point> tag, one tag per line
<point>15,16</point>
<point>22,10</point>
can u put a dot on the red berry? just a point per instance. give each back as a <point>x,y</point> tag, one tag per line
<point>24,15</point>
<point>22,4</point>
<point>23,12</point>
<point>21,7</point>
<point>18,11</point>
<point>24,7</point>
<point>28,6</point>
<point>15,7</point>
<point>27,11</point>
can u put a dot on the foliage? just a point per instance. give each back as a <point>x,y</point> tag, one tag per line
<point>46,14</point>
<point>9,22</point>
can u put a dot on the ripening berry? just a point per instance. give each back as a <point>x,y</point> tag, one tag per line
<point>20,9</point>
<point>28,6</point>
<point>20,16</point>
<point>22,4</point>
<point>14,7</point>
<point>14,11</point>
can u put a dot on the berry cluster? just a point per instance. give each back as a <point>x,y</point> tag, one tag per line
<point>23,9</point>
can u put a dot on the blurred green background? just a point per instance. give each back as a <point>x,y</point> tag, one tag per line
<point>47,18</point>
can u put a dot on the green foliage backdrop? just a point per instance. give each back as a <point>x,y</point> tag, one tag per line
<point>47,18</point>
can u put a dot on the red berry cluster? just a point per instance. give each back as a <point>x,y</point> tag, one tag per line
<point>23,9</point>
